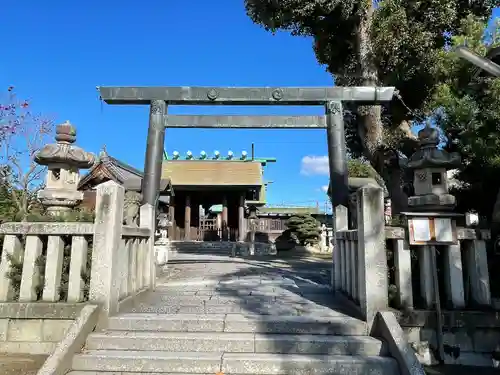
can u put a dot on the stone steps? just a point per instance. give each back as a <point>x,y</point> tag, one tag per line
<point>235,343</point>
<point>248,323</point>
<point>230,363</point>
<point>239,323</point>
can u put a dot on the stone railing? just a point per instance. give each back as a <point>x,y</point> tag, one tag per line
<point>362,264</point>
<point>38,250</point>
<point>133,262</point>
<point>55,260</point>
<point>464,270</point>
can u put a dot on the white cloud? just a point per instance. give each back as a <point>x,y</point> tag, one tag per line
<point>324,188</point>
<point>314,165</point>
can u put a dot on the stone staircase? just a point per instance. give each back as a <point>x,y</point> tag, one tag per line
<point>242,325</point>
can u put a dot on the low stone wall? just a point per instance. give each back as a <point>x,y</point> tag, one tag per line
<point>35,328</point>
<point>470,338</point>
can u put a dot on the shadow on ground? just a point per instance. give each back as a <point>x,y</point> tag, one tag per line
<point>272,289</point>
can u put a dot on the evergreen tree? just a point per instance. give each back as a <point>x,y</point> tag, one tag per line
<point>377,43</point>
<point>8,208</point>
<point>304,228</point>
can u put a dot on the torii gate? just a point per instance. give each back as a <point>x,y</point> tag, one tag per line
<point>158,98</point>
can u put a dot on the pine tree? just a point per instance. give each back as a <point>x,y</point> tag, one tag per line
<point>305,228</point>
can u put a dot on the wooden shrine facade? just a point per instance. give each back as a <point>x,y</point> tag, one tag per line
<point>200,184</point>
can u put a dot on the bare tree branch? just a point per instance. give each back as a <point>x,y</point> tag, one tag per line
<point>22,135</point>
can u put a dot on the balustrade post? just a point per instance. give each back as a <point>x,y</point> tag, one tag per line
<point>402,262</point>
<point>107,270</point>
<point>477,267</point>
<point>353,264</point>
<point>372,260</point>
<point>53,269</point>
<point>340,222</point>
<point>453,276</point>
<point>78,265</point>
<point>147,220</point>
<point>30,278</point>
<point>12,250</point>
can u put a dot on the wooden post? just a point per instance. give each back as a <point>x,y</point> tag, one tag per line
<point>224,218</point>
<point>187,219</point>
<point>241,218</point>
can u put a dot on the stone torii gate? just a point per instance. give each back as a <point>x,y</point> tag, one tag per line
<point>158,98</point>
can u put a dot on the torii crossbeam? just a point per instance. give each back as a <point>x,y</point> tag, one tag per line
<point>158,98</point>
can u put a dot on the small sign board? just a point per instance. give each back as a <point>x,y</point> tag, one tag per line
<point>432,231</point>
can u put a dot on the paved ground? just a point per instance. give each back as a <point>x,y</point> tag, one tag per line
<point>216,284</point>
<point>20,364</point>
<point>214,267</point>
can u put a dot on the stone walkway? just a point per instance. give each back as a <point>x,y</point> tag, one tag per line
<point>214,267</point>
<point>216,284</point>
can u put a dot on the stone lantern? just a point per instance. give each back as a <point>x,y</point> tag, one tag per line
<point>430,181</point>
<point>431,223</point>
<point>63,160</point>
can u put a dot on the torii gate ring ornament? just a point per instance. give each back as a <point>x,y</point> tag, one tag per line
<point>277,94</point>
<point>212,94</point>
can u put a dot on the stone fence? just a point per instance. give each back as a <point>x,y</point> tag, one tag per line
<point>375,262</point>
<point>105,262</point>
<point>372,251</point>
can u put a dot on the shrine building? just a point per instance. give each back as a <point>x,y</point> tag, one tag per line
<point>206,197</point>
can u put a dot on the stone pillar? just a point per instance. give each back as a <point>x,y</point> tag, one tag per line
<point>154,152</point>
<point>347,248</point>
<point>342,244</point>
<point>224,219</point>
<point>477,269</point>
<point>402,262</point>
<point>337,153</point>
<point>340,224</point>
<point>353,263</point>
<point>426,277</point>
<point>171,214</point>
<point>453,276</point>
<point>187,219</point>
<point>241,218</point>
<point>372,260</point>
<point>147,220</point>
<point>106,273</point>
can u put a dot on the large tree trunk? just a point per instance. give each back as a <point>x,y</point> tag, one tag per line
<point>370,128</point>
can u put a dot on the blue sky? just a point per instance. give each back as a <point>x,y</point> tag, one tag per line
<point>55,53</point>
